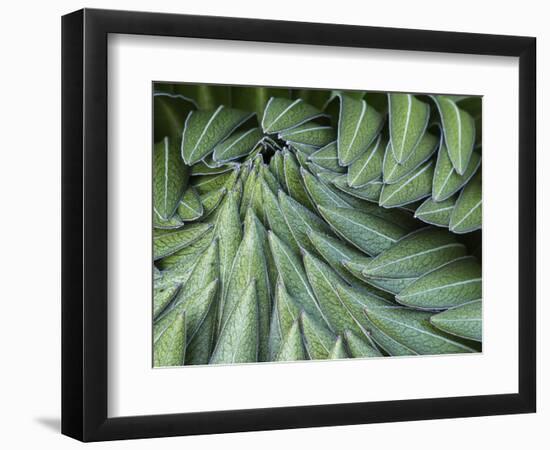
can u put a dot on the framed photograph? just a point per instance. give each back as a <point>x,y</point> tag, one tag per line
<point>274,225</point>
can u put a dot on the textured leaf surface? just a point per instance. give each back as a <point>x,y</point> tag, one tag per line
<point>450,285</point>
<point>205,129</point>
<point>309,134</point>
<point>169,346</point>
<point>294,277</point>
<point>237,145</point>
<point>358,126</point>
<point>368,166</point>
<point>395,171</point>
<point>368,233</point>
<point>464,321</point>
<point>170,112</point>
<point>171,242</point>
<point>292,347</point>
<point>255,98</point>
<point>170,177</point>
<point>466,216</point>
<point>250,265</point>
<point>282,114</point>
<point>459,131</point>
<point>446,180</point>
<point>293,180</point>
<point>190,207</point>
<point>327,158</point>
<point>414,328</point>
<point>359,347</point>
<point>436,213</point>
<point>408,119</point>
<point>415,254</point>
<point>338,351</point>
<point>238,340</point>
<point>316,337</point>
<point>370,191</point>
<point>415,186</point>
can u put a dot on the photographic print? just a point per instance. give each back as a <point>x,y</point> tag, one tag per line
<point>296,224</point>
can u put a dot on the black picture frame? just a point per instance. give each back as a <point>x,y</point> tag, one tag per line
<point>84,224</point>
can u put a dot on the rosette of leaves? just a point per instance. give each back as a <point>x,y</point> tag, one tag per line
<point>302,224</point>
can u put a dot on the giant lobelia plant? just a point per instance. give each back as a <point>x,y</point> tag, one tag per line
<point>307,224</point>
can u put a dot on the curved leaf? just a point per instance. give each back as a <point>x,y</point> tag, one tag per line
<point>408,119</point>
<point>466,215</point>
<point>171,242</point>
<point>359,347</point>
<point>450,285</point>
<point>413,187</point>
<point>282,114</point>
<point>237,145</point>
<point>367,232</point>
<point>415,254</point>
<point>170,177</point>
<point>190,207</point>
<point>205,129</point>
<point>292,347</point>
<point>464,321</point>
<point>436,213</point>
<point>327,158</point>
<point>309,134</point>
<point>459,132</point>
<point>368,167</point>
<point>169,346</point>
<point>358,126</point>
<point>238,340</point>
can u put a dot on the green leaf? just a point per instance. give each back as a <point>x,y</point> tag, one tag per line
<point>287,308</point>
<point>250,265</point>
<point>358,301</point>
<point>335,252</point>
<point>208,183</point>
<point>277,169</point>
<point>370,191</point>
<point>199,349</point>
<point>356,266</point>
<point>446,180</point>
<point>358,126</point>
<point>170,112</point>
<point>415,254</point>
<point>327,158</point>
<point>276,220</point>
<point>255,98</point>
<point>292,347</point>
<point>195,305</point>
<point>282,114</point>
<point>211,200</point>
<point>394,171</point>
<point>162,297</point>
<point>293,180</point>
<point>459,132</point>
<point>464,321</point>
<point>320,193</point>
<point>206,96</point>
<point>171,242</point>
<point>436,213</point>
<point>300,220</point>
<point>201,168</point>
<point>237,145</point>
<point>415,186</point>
<point>169,346</point>
<point>408,119</point>
<point>170,224</point>
<point>367,232</point>
<point>309,134</point>
<point>183,255</point>
<point>170,177</point>
<point>293,276</point>
<point>238,340</point>
<point>229,232</point>
<point>338,351</point>
<point>205,129</point>
<point>317,338</point>
<point>450,285</point>
<point>190,207</point>
<point>466,215</point>
<point>326,285</point>
<point>368,167</point>
<point>359,347</point>
<point>413,329</point>
<point>315,97</point>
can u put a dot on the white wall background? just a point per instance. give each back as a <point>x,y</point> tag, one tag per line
<point>30,238</point>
